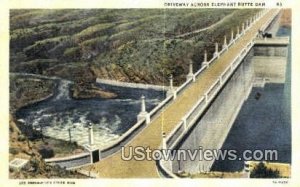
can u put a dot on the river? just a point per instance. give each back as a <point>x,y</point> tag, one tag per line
<point>61,116</point>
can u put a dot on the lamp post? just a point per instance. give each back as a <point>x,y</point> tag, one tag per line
<point>41,131</point>
<point>70,135</point>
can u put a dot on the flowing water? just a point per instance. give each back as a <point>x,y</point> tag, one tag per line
<point>65,118</point>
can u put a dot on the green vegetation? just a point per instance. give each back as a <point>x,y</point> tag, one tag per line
<point>37,169</point>
<point>261,171</point>
<point>94,31</point>
<point>13,150</point>
<point>130,44</point>
<point>24,91</point>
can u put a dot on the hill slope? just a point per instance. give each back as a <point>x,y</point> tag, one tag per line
<point>129,45</point>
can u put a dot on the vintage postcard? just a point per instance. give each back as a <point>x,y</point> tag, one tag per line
<point>191,91</point>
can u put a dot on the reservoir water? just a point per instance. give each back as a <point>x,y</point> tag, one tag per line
<point>264,123</point>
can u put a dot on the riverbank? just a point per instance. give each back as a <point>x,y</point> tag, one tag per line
<point>28,91</point>
<point>91,91</point>
<point>25,92</point>
<point>21,147</point>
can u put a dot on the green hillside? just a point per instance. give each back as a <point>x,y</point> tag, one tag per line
<point>136,45</point>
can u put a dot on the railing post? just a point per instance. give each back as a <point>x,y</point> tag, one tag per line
<point>164,141</point>
<point>232,37</point>
<point>225,46</point>
<point>204,63</point>
<point>171,90</point>
<point>166,162</point>
<point>237,32</point>
<point>216,53</point>
<point>91,134</point>
<point>90,147</point>
<point>247,24</point>
<point>143,114</point>
<point>184,123</point>
<point>231,66</point>
<point>190,74</point>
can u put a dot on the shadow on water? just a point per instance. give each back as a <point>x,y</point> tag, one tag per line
<point>263,123</point>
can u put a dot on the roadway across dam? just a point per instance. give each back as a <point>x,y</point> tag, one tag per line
<point>201,87</point>
<point>151,136</point>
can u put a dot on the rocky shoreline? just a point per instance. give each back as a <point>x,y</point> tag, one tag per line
<point>25,92</point>
<point>90,92</point>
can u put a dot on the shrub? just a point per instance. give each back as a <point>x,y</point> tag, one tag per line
<point>46,152</point>
<point>21,138</point>
<point>34,163</point>
<point>261,171</point>
<point>14,150</point>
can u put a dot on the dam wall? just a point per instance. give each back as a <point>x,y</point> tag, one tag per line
<point>270,60</point>
<point>212,127</point>
<point>264,63</point>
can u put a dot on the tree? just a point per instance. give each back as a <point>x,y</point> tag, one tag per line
<point>46,152</point>
<point>261,171</point>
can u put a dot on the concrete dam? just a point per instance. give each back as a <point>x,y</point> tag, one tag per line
<point>198,113</point>
<point>265,62</point>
